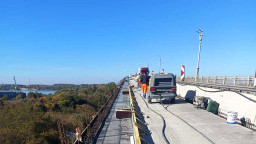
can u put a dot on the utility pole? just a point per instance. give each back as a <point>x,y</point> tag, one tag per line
<point>160,65</point>
<point>200,41</point>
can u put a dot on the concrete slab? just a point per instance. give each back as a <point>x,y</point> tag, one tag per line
<point>117,130</point>
<point>214,127</point>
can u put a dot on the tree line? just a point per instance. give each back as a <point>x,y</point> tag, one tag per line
<point>34,119</point>
<point>46,87</point>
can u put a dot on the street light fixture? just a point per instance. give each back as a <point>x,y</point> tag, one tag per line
<point>160,64</point>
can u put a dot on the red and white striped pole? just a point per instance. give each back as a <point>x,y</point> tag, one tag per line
<point>152,73</point>
<point>255,80</point>
<point>182,73</point>
<point>78,134</point>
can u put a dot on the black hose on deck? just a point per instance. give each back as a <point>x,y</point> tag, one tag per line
<point>164,124</point>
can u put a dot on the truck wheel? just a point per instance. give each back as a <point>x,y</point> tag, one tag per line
<point>173,100</point>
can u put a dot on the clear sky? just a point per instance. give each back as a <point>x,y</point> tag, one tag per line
<point>98,41</point>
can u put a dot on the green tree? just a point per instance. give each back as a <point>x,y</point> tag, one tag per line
<point>19,97</point>
<point>27,122</point>
<point>5,98</point>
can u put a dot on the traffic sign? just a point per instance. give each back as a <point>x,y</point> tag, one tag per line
<point>182,74</point>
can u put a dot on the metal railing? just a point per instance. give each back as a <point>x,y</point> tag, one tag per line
<point>223,80</point>
<point>236,83</point>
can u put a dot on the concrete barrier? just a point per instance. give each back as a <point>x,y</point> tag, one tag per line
<point>244,104</point>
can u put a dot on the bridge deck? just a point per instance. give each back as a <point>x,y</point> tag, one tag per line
<point>117,130</point>
<point>186,124</point>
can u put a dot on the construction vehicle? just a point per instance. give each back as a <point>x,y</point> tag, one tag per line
<point>162,87</point>
<point>144,70</point>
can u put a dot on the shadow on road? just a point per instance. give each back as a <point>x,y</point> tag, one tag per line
<point>177,101</point>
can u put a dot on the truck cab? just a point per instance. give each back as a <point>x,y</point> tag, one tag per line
<point>144,70</point>
<point>162,87</point>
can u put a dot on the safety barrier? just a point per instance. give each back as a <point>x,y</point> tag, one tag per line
<point>141,131</point>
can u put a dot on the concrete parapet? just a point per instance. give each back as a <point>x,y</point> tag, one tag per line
<point>244,104</point>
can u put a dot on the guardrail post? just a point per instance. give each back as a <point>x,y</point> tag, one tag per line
<point>224,80</point>
<point>248,83</point>
<point>234,80</point>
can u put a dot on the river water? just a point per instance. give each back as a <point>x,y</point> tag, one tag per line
<point>27,91</point>
<point>39,91</point>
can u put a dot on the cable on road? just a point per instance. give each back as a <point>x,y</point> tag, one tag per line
<point>189,125</point>
<point>164,124</point>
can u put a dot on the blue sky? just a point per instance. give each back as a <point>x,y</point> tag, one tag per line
<point>98,41</point>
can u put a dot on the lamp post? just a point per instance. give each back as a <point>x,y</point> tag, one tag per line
<point>160,65</point>
<point>200,41</point>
